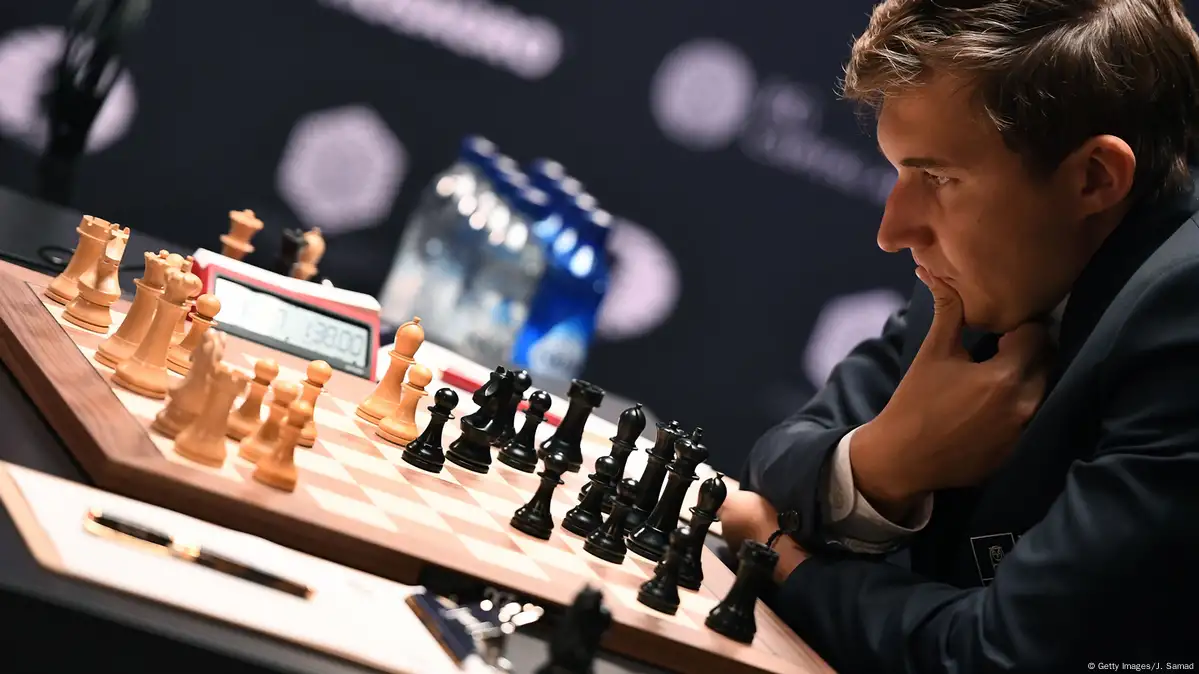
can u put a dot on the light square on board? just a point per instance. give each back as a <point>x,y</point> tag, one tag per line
<point>310,462</point>
<point>553,552</point>
<point>468,510</point>
<point>628,597</point>
<point>489,482</point>
<point>406,509</point>
<point>442,482</point>
<point>361,510</point>
<point>469,529</point>
<point>507,558</point>
<point>362,457</point>
<point>335,420</point>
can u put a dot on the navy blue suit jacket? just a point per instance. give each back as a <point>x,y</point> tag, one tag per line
<point>1083,547</point>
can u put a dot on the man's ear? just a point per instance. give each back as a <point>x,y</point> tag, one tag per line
<point>1101,173</point>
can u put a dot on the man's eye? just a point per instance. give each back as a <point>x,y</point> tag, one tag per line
<point>937,180</point>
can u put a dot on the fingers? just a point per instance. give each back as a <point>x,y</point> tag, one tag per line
<point>945,335</point>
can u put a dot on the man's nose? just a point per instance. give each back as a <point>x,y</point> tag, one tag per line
<point>904,225</point>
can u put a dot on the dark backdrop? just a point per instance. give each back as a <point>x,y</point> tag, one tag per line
<point>746,195</point>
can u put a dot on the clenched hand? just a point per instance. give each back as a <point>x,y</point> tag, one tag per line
<point>951,422</point>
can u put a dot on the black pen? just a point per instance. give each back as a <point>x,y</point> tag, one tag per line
<point>101,524</point>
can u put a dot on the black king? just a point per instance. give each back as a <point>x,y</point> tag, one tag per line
<point>651,539</point>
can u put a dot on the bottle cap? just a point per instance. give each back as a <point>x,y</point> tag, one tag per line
<point>477,149</point>
<point>534,203</point>
<point>548,168</point>
<point>586,202</point>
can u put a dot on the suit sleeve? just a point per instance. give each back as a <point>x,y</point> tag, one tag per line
<point>1118,541</point>
<point>789,465</point>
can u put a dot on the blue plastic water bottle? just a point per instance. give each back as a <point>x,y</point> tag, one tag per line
<point>561,323</point>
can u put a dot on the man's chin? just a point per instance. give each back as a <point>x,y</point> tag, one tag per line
<point>995,324</point>
<point>985,321</point>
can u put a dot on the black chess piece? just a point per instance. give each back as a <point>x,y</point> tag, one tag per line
<point>492,403</point>
<point>472,449</point>
<point>576,637</point>
<point>661,592</point>
<point>607,542</point>
<point>651,539</point>
<point>290,245</point>
<point>519,452</point>
<point>734,615</point>
<point>504,427</point>
<point>425,451</point>
<point>628,428</point>
<point>487,398</point>
<point>584,397</point>
<point>661,454</point>
<point>711,496</point>
<point>586,517</point>
<point>534,518</point>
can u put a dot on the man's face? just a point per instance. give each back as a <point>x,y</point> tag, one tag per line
<point>970,210</point>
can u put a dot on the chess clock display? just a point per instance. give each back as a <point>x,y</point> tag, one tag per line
<point>308,320</point>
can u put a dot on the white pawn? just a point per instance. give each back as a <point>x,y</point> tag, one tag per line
<point>319,373</point>
<point>262,442</point>
<point>245,419</point>
<point>400,426</point>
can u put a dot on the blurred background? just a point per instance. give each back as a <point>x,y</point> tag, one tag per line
<point>743,196</point>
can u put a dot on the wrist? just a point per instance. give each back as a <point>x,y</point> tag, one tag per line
<point>878,476</point>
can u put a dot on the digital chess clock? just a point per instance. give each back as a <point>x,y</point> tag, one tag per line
<point>308,320</point>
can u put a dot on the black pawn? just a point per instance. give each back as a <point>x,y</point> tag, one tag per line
<point>660,455</point>
<point>607,542</point>
<point>584,397</point>
<point>661,592</point>
<point>628,428</point>
<point>504,427</point>
<point>651,539</point>
<point>290,245</point>
<point>711,496</point>
<point>519,452</point>
<point>734,616</point>
<point>534,518</point>
<point>425,451</point>
<point>586,517</point>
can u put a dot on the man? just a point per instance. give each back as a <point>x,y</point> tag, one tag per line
<point>1045,482</point>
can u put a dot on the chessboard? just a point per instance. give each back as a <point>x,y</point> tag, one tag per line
<point>356,501</point>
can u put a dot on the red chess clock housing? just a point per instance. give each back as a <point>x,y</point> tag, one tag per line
<point>308,320</point>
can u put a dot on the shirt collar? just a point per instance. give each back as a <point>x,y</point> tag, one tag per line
<point>1055,319</point>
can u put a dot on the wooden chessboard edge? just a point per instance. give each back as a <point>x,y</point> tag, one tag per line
<point>67,390</point>
<point>642,645</point>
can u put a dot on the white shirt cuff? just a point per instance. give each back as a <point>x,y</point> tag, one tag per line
<point>853,519</point>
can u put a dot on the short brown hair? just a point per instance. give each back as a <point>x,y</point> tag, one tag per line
<point>1050,73</point>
